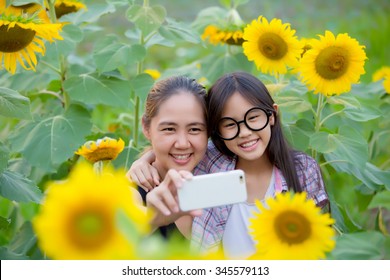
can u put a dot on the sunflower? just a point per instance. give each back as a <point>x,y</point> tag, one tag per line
<point>215,35</point>
<point>271,45</point>
<point>291,228</point>
<point>383,73</point>
<point>22,31</point>
<point>155,74</point>
<point>101,150</point>
<point>332,64</point>
<point>78,217</point>
<point>64,7</point>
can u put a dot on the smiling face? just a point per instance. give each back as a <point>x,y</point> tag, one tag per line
<point>248,145</point>
<point>178,133</point>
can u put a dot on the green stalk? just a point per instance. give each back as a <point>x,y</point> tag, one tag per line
<point>317,119</point>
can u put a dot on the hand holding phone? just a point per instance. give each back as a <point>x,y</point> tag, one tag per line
<point>205,191</point>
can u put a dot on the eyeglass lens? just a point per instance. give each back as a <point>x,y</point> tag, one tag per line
<point>255,119</point>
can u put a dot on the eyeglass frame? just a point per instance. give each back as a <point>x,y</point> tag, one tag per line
<point>267,112</point>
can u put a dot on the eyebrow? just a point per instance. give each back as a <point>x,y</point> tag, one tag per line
<point>175,124</point>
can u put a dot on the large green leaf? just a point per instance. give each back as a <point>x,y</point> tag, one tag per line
<point>4,156</point>
<point>363,114</point>
<point>94,13</point>
<point>55,139</point>
<point>381,199</point>
<point>14,105</point>
<point>346,146</point>
<point>109,54</point>
<point>95,89</point>
<point>293,104</point>
<point>146,18</point>
<point>359,246</point>
<point>141,85</point>
<point>299,134</point>
<point>346,100</point>
<point>14,186</point>
<point>178,31</point>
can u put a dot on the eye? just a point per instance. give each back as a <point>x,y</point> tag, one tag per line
<point>168,129</point>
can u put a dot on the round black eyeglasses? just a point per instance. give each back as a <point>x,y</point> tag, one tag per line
<point>255,119</point>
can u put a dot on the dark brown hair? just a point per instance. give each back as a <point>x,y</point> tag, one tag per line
<point>164,89</point>
<point>252,89</point>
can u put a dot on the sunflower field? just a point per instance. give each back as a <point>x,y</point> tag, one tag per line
<point>74,76</point>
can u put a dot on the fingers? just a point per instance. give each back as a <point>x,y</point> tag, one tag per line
<point>144,175</point>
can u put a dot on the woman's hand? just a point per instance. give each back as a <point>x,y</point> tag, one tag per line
<point>143,173</point>
<point>163,201</point>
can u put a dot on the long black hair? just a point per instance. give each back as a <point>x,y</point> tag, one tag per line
<point>252,89</point>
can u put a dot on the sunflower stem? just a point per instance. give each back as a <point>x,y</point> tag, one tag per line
<point>52,11</point>
<point>317,118</point>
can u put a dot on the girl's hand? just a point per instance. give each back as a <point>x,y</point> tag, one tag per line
<point>163,201</point>
<point>143,173</point>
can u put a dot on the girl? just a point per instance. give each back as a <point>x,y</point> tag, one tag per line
<point>246,134</point>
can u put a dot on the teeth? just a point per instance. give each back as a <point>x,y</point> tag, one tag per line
<point>251,143</point>
<point>181,157</point>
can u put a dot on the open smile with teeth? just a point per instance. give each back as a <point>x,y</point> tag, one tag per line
<point>181,157</point>
<point>249,144</point>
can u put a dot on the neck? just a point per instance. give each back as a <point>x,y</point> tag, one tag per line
<point>161,170</point>
<point>254,166</point>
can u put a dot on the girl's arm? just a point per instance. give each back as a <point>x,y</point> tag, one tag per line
<point>143,173</point>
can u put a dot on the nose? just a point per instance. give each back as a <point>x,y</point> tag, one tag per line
<point>182,141</point>
<point>244,131</point>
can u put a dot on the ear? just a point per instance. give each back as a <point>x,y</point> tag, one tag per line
<point>272,118</point>
<point>145,130</point>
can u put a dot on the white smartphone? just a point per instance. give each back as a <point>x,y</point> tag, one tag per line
<point>210,190</point>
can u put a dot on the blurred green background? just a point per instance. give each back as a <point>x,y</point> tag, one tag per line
<point>368,21</point>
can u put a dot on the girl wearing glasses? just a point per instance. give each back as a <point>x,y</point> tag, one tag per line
<point>246,133</point>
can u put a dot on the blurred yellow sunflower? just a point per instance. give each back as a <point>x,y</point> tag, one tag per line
<point>333,64</point>
<point>271,45</point>
<point>155,74</point>
<point>383,73</point>
<point>291,227</point>
<point>216,35</point>
<point>78,217</point>
<point>101,150</point>
<point>22,31</point>
<point>64,7</point>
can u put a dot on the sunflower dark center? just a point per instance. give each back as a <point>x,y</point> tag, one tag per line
<point>64,9</point>
<point>272,46</point>
<point>292,227</point>
<point>332,62</point>
<point>15,38</point>
<point>90,229</point>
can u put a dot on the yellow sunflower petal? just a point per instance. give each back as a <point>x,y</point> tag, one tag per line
<point>333,64</point>
<point>88,229</point>
<point>291,227</point>
<point>103,149</point>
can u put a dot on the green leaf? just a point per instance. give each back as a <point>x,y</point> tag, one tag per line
<point>94,13</point>
<point>298,137</point>
<point>323,142</point>
<point>94,89</point>
<point>176,31</point>
<point>4,156</point>
<point>347,146</point>
<point>24,2</point>
<point>126,158</point>
<point>216,66</point>
<point>363,114</point>
<point>15,187</point>
<point>6,254</point>
<point>346,100</point>
<point>24,240</point>
<point>109,55</point>
<point>141,85</point>
<point>381,199</point>
<point>293,104</point>
<point>14,105</point>
<point>359,246</point>
<point>145,18</point>
<point>53,140</point>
